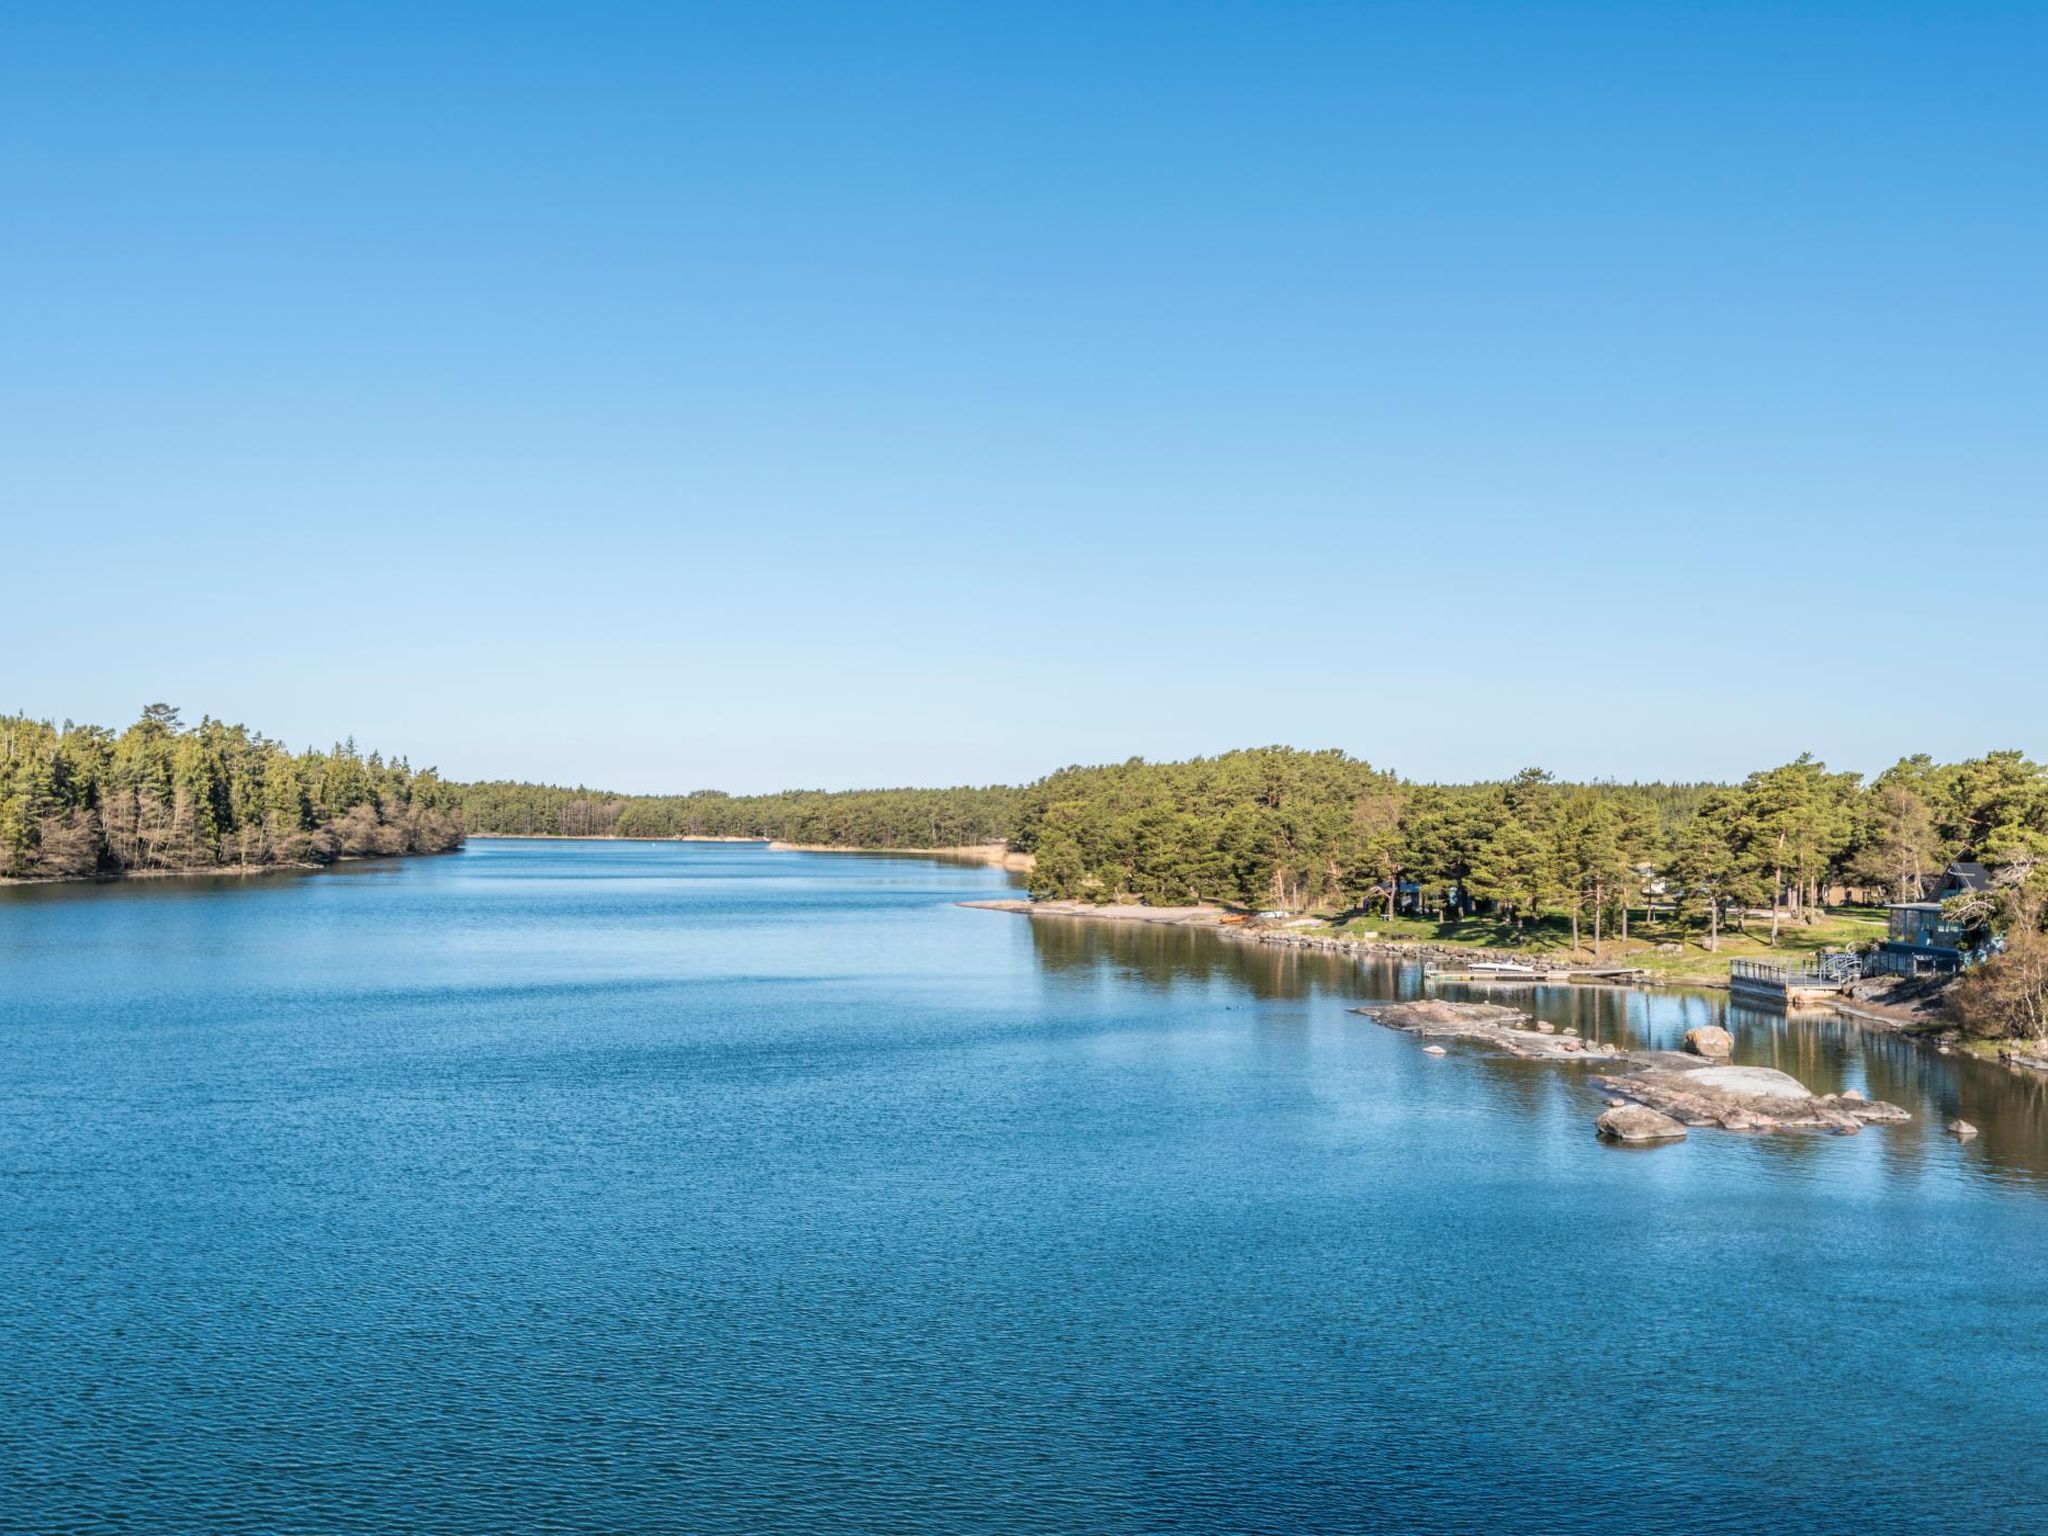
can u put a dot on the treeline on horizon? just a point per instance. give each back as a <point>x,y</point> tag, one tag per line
<point>81,801</point>
<point>1270,827</point>
<point>855,818</point>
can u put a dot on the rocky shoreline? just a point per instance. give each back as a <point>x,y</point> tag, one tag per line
<point>1666,1094</point>
<point>1506,1030</point>
<point>1912,1020</point>
<point>1229,925</point>
<point>212,871</point>
<point>1747,1099</point>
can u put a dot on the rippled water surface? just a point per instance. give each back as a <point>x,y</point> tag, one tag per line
<point>657,1187</point>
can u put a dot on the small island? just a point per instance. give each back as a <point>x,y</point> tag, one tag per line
<point>1666,1092</point>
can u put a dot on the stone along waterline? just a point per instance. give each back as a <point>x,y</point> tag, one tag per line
<point>656,1187</point>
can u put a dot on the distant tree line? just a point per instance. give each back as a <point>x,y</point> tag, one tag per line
<point>860,818</point>
<point>78,801</point>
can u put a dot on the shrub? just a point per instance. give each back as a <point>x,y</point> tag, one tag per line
<point>2007,996</point>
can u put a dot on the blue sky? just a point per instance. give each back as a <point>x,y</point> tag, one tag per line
<point>765,395</point>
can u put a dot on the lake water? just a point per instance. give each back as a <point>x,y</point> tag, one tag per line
<point>699,1188</point>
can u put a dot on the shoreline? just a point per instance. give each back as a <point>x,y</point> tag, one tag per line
<point>1927,1032</point>
<point>209,871</point>
<point>1232,925</point>
<point>298,867</point>
<point>601,837</point>
<point>999,854</point>
<point>981,853</point>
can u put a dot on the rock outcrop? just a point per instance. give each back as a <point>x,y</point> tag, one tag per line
<point>1666,1092</point>
<point>1747,1099</point>
<point>1507,1030</point>
<point>1634,1122</point>
<point>1711,1041</point>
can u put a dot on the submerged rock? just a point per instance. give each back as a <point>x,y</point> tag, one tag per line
<point>1635,1122</point>
<point>1962,1130</point>
<point>1710,1040</point>
<point>1434,1050</point>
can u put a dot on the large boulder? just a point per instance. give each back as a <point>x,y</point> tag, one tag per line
<point>1710,1041</point>
<point>1637,1122</point>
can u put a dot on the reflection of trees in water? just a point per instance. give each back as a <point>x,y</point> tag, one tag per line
<point>1829,1053</point>
<point>2008,1107</point>
<point>1820,1057</point>
<point>1536,1088</point>
<point>1826,1052</point>
<point>1168,957</point>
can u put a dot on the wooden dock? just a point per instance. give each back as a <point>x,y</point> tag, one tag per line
<point>1543,976</point>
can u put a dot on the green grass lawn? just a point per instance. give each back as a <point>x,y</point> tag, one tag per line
<point>1649,945</point>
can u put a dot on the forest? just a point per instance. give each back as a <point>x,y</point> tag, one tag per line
<point>1280,828</point>
<point>80,801</point>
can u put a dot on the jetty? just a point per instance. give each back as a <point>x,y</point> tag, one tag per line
<point>1514,973</point>
<point>1813,986</point>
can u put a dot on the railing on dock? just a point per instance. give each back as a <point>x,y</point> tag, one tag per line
<point>1892,962</point>
<point>1822,971</point>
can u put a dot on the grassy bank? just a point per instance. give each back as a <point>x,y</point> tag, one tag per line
<point>1663,947</point>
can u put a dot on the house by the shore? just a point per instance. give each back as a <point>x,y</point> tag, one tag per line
<point>1920,937</point>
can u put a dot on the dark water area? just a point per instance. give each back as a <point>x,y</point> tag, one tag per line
<point>658,1187</point>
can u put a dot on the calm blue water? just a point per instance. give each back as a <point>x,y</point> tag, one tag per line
<point>656,1187</point>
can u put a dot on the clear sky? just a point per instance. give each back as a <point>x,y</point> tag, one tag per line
<point>662,396</point>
